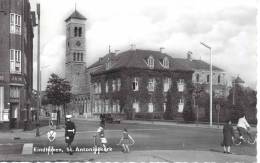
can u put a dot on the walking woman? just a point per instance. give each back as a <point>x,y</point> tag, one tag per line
<point>125,141</point>
<point>228,136</point>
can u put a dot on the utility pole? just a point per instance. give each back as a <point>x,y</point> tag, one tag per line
<point>38,73</point>
<point>205,45</point>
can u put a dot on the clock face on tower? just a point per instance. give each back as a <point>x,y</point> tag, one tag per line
<point>78,43</point>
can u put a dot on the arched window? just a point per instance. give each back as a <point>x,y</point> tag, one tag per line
<point>81,56</point>
<point>218,78</point>
<point>197,78</point>
<point>78,56</point>
<point>74,56</point>
<point>80,31</point>
<point>75,31</point>
<point>151,62</point>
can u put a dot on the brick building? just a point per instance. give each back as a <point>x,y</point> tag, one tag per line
<point>75,64</point>
<point>136,83</point>
<point>16,57</point>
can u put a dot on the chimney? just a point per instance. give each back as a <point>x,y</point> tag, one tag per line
<point>117,51</point>
<point>161,49</point>
<point>189,53</point>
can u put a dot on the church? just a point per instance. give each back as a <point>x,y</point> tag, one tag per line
<point>135,83</point>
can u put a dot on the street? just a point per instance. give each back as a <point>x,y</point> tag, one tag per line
<point>147,137</point>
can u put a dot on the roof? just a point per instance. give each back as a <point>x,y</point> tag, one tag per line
<point>239,80</point>
<point>201,65</point>
<point>76,15</point>
<point>138,59</point>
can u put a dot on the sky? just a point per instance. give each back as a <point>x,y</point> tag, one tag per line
<point>228,26</point>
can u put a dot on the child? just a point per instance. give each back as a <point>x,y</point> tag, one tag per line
<point>228,135</point>
<point>51,136</point>
<point>125,141</point>
<point>100,140</point>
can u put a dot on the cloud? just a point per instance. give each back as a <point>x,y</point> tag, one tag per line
<point>228,26</point>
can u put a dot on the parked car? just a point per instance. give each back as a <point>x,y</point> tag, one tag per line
<point>112,118</point>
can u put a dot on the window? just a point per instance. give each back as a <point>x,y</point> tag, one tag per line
<point>97,87</point>
<point>106,86</point>
<point>113,85</point>
<point>74,56</point>
<point>166,62</point>
<point>164,107</point>
<point>15,61</point>
<point>108,64</point>
<point>15,23</point>
<point>81,56</point>
<point>75,31</point>
<point>135,84</point>
<point>207,78</point>
<point>80,31</point>
<point>78,56</point>
<point>197,78</point>
<point>150,107</point>
<point>107,110</point>
<point>180,85</point>
<point>14,92</point>
<point>166,84</point>
<point>219,79</point>
<point>151,84</point>
<point>181,105</point>
<point>136,107</point>
<point>150,62</point>
<point>118,84</point>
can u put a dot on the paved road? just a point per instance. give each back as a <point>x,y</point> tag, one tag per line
<point>147,136</point>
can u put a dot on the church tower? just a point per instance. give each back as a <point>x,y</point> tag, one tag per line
<point>75,64</point>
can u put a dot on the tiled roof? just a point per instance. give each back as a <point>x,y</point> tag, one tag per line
<point>76,15</point>
<point>138,59</point>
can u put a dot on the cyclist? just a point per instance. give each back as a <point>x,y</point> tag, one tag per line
<point>243,128</point>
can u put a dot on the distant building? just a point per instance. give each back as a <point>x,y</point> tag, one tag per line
<point>201,76</point>
<point>16,57</point>
<point>136,83</point>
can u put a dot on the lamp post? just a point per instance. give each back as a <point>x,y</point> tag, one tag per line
<point>38,73</point>
<point>208,47</point>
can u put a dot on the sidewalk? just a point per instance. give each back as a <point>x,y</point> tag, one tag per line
<point>20,134</point>
<point>136,156</point>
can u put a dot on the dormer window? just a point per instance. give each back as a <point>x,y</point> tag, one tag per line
<point>108,64</point>
<point>180,85</point>
<point>150,62</point>
<point>166,62</point>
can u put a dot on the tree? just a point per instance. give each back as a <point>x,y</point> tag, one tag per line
<point>58,91</point>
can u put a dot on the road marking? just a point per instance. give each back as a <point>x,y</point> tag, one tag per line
<point>27,148</point>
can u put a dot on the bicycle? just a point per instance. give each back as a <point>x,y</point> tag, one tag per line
<point>237,140</point>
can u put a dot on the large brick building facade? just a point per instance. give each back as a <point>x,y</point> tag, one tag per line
<point>136,83</point>
<point>16,57</point>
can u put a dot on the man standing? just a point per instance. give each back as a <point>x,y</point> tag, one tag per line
<point>70,131</point>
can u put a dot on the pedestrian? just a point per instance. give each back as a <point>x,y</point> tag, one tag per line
<point>228,136</point>
<point>125,141</point>
<point>100,140</point>
<point>70,131</point>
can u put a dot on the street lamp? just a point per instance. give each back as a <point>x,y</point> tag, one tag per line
<point>208,47</point>
<point>38,73</point>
